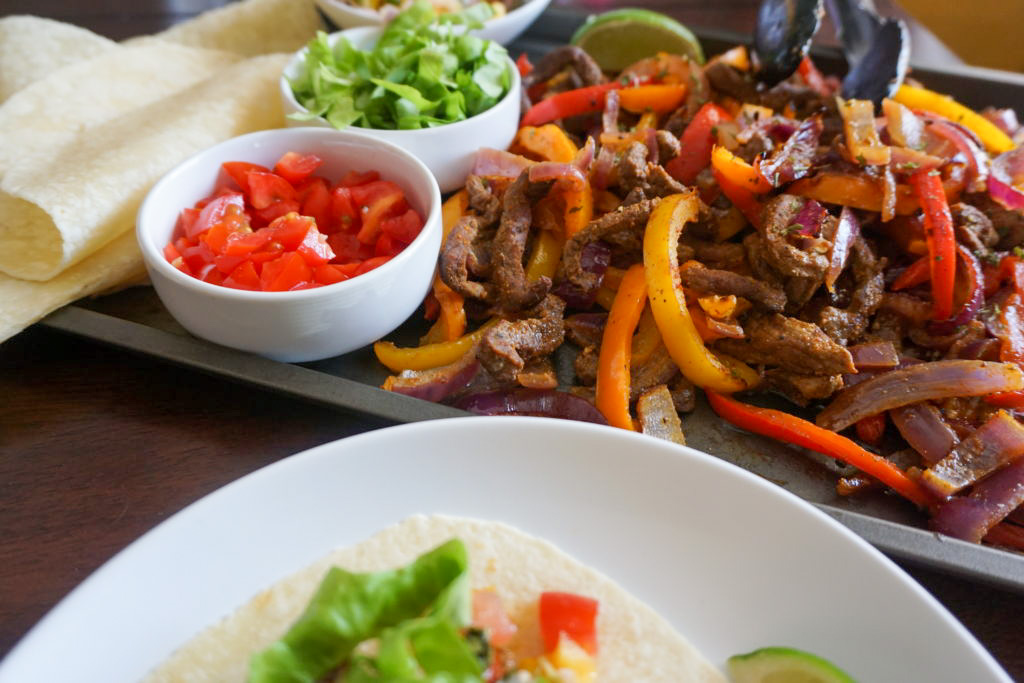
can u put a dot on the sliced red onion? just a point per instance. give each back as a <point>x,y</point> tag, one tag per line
<point>594,258</point>
<point>651,139</point>
<point>921,382</point>
<point>1007,173</point>
<point>538,402</point>
<point>794,159</point>
<point>969,146</point>
<point>981,349</point>
<point>585,157</point>
<point>880,355</point>
<point>554,170</point>
<point>1004,119</point>
<point>847,231</point>
<point>781,129</point>
<point>600,173</point>
<point>997,442</point>
<point>610,116</point>
<point>975,296</point>
<point>808,220</point>
<point>992,499</point>
<point>496,162</point>
<point>436,384</point>
<point>588,327</point>
<point>903,126</point>
<point>922,426</point>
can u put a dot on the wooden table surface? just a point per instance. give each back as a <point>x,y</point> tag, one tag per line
<point>98,445</point>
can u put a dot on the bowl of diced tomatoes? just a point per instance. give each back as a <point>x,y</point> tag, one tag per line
<point>296,244</point>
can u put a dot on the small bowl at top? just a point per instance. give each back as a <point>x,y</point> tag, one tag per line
<point>307,324</point>
<point>448,150</point>
<point>503,29</point>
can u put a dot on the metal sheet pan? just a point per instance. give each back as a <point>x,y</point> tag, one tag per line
<point>136,320</point>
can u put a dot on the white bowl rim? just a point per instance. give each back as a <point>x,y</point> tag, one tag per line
<point>397,133</point>
<point>375,14</point>
<point>154,257</point>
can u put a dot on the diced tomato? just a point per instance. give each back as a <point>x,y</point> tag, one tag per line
<point>385,246</point>
<point>269,252</point>
<point>275,211</point>
<point>316,203</point>
<point>353,178</point>
<point>378,200</point>
<point>490,615</point>
<point>348,269</point>
<point>266,189</point>
<point>186,220</point>
<point>328,274</point>
<point>347,248</point>
<point>371,263</point>
<point>243,277</point>
<point>295,167</point>
<point>197,257</point>
<point>243,243</point>
<point>171,252</point>
<point>238,170</point>
<point>285,273</point>
<point>343,212</point>
<point>403,228</point>
<point>212,275</point>
<point>523,64</point>
<point>290,230</point>
<point>214,213</point>
<point>227,264</point>
<point>573,615</point>
<point>314,248</point>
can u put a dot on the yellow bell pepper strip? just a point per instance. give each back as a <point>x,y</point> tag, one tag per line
<point>668,302</point>
<point>547,250</point>
<point>451,321</point>
<point>787,428</point>
<point>737,57</point>
<point>657,98</point>
<point>648,120</point>
<point>613,363</point>
<point>428,356</point>
<point>547,143</point>
<point>862,141</point>
<point>646,340</point>
<point>995,140</point>
<point>938,229</point>
<point>696,143</point>
<point>570,103</point>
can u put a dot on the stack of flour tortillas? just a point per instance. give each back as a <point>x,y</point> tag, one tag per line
<point>88,125</point>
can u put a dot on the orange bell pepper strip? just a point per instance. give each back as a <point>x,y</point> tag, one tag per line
<point>738,171</point>
<point>579,208</point>
<point>696,143</point>
<point>857,192</point>
<point>995,140</point>
<point>451,321</point>
<point>547,143</point>
<point>938,229</point>
<point>657,98</point>
<point>790,429</point>
<point>429,355</point>
<point>668,302</point>
<point>613,363</point>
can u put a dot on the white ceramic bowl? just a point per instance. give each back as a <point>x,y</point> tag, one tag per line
<point>502,29</point>
<point>449,150</point>
<point>307,324</point>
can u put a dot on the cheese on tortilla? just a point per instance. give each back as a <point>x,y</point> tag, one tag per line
<point>635,644</point>
<point>32,48</point>
<point>79,197</point>
<point>253,27</point>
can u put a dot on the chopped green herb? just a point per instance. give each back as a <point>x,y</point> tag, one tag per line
<point>861,160</point>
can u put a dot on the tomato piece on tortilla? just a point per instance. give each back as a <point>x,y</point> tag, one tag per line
<point>295,167</point>
<point>238,170</point>
<point>571,614</point>
<point>267,189</point>
<point>490,615</point>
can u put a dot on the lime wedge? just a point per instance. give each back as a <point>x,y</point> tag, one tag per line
<point>621,37</point>
<point>784,665</point>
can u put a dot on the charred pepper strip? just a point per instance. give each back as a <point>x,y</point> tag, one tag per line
<point>569,103</point>
<point>938,227</point>
<point>668,302</point>
<point>995,140</point>
<point>788,428</point>
<point>614,361</point>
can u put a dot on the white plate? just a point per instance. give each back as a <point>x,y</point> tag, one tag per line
<point>734,562</point>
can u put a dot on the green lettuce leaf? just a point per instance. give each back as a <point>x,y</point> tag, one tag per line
<point>418,606</point>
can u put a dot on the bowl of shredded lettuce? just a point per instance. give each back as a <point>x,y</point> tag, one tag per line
<point>423,82</point>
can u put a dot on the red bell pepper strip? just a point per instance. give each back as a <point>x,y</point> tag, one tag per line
<point>1014,400</point>
<point>696,143</point>
<point>523,64</point>
<point>938,228</point>
<point>570,103</point>
<point>918,272</point>
<point>791,429</point>
<point>741,197</point>
<point>813,78</point>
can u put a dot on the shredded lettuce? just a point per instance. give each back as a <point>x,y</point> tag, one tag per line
<point>425,71</point>
<point>414,612</point>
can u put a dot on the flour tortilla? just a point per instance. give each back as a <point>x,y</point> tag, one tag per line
<point>253,27</point>
<point>63,208</point>
<point>635,644</point>
<point>31,48</point>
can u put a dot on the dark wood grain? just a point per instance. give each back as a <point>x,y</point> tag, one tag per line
<point>97,446</point>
